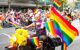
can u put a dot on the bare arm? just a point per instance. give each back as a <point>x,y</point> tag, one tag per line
<point>31,25</point>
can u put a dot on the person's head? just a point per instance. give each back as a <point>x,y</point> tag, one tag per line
<point>37,17</point>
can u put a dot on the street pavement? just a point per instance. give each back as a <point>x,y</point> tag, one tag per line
<point>4,36</point>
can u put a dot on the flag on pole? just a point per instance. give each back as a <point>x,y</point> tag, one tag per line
<point>64,47</point>
<point>56,4</point>
<point>69,32</point>
<point>35,41</point>
<point>50,27</point>
<point>62,28</point>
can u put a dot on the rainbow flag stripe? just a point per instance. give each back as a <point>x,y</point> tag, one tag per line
<point>64,47</point>
<point>68,18</point>
<point>56,4</point>
<point>50,27</point>
<point>36,11</point>
<point>67,30</point>
<point>35,41</point>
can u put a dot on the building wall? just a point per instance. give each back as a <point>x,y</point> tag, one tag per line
<point>18,1</point>
<point>3,0</point>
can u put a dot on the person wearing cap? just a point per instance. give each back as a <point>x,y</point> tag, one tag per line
<point>38,24</point>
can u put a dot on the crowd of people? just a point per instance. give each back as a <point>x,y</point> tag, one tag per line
<point>14,18</point>
<point>33,19</point>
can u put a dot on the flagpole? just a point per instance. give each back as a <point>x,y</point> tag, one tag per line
<point>63,6</point>
<point>45,4</point>
<point>9,4</point>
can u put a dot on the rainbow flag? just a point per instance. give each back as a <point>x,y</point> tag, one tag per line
<point>67,31</point>
<point>35,41</point>
<point>36,11</point>
<point>69,18</point>
<point>64,47</point>
<point>15,25</point>
<point>50,27</point>
<point>56,4</point>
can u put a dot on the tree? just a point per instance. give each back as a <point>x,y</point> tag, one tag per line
<point>63,4</point>
<point>71,3</point>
